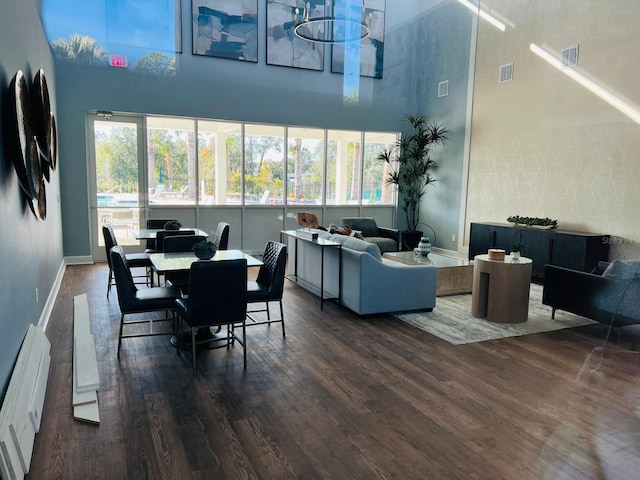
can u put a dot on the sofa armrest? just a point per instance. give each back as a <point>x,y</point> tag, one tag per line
<point>581,293</point>
<point>391,233</point>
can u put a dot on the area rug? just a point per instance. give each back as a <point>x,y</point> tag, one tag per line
<point>452,321</point>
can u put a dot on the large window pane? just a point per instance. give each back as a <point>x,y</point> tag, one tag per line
<point>264,164</point>
<point>305,159</point>
<point>220,162</point>
<point>172,161</point>
<point>343,167</point>
<point>116,156</point>
<point>375,191</point>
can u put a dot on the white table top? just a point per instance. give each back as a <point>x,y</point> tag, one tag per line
<point>177,261</point>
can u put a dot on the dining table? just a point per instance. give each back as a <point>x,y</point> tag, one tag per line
<point>150,233</point>
<point>180,262</point>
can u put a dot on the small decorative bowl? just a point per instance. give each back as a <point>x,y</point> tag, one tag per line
<point>204,254</point>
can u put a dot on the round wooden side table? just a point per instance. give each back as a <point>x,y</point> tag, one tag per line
<point>501,289</point>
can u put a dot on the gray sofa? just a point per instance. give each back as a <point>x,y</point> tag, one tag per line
<point>369,284</point>
<point>387,239</point>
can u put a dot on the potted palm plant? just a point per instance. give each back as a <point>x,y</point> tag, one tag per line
<point>410,166</point>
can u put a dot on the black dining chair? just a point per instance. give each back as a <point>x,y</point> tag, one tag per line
<point>133,300</point>
<point>221,237</point>
<point>135,260</point>
<point>269,285</point>
<point>180,243</point>
<point>156,223</point>
<point>217,297</point>
<point>161,235</point>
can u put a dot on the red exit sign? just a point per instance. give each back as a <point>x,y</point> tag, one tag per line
<point>118,61</point>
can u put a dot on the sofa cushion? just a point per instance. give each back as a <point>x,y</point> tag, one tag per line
<point>358,245</point>
<point>366,225</point>
<point>384,244</point>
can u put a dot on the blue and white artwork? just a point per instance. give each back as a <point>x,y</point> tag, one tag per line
<point>226,28</point>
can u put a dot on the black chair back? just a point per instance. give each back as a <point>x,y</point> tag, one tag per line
<point>181,243</point>
<point>272,270</point>
<point>217,292</point>
<point>221,237</point>
<point>161,235</point>
<point>124,280</point>
<point>156,223</point>
<point>109,241</point>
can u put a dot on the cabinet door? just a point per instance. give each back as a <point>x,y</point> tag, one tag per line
<point>481,238</point>
<point>507,236</point>
<point>536,246</point>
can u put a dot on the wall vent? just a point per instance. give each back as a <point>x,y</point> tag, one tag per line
<point>443,88</point>
<point>569,57</point>
<point>506,72</point>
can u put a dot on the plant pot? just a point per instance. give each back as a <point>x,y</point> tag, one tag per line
<point>409,240</point>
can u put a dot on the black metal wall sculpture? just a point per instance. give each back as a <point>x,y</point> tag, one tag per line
<point>32,133</point>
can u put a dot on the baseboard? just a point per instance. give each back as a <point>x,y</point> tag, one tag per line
<point>79,260</point>
<point>51,299</point>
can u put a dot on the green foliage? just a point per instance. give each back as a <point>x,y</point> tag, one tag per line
<point>80,49</point>
<point>533,221</point>
<point>157,64</point>
<point>410,164</point>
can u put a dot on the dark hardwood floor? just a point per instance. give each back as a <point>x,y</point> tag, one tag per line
<point>341,397</point>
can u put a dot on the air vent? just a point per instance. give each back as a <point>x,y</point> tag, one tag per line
<point>506,73</point>
<point>569,57</point>
<point>443,88</point>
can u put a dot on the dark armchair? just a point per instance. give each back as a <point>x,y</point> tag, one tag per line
<point>387,239</point>
<point>611,298</point>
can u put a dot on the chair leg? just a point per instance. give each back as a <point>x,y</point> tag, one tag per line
<point>553,313</point>
<point>120,333</point>
<point>244,342</point>
<point>268,313</point>
<point>282,318</point>
<point>109,282</point>
<point>193,348</point>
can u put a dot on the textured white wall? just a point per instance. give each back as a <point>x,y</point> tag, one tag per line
<point>543,144</point>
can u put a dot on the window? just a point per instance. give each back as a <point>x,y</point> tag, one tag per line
<point>375,190</point>
<point>171,153</point>
<point>264,164</point>
<point>305,161</point>
<point>220,163</point>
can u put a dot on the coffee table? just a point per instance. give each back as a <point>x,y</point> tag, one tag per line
<point>455,275</point>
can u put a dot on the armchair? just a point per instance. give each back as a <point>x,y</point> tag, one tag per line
<point>387,239</point>
<point>611,298</point>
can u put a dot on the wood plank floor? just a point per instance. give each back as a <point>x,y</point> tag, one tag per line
<point>341,397</point>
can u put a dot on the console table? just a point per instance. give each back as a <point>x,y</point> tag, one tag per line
<point>320,243</point>
<point>575,250</point>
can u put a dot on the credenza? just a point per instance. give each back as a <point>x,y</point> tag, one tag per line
<point>575,250</point>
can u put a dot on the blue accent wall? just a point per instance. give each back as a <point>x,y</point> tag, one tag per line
<point>31,253</point>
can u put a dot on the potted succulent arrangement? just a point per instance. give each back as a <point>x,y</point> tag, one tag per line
<point>204,250</point>
<point>516,249</point>
<point>172,225</point>
<point>410,166</point>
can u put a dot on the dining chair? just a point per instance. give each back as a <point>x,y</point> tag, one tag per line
<point>217,297</point>
<point>156,223</point>
<point>221,237</point>
<point>269,284</point>
<point>136,260</point>
<point>133,300</point>
<point>162,234</point>
<point>180,243</point>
